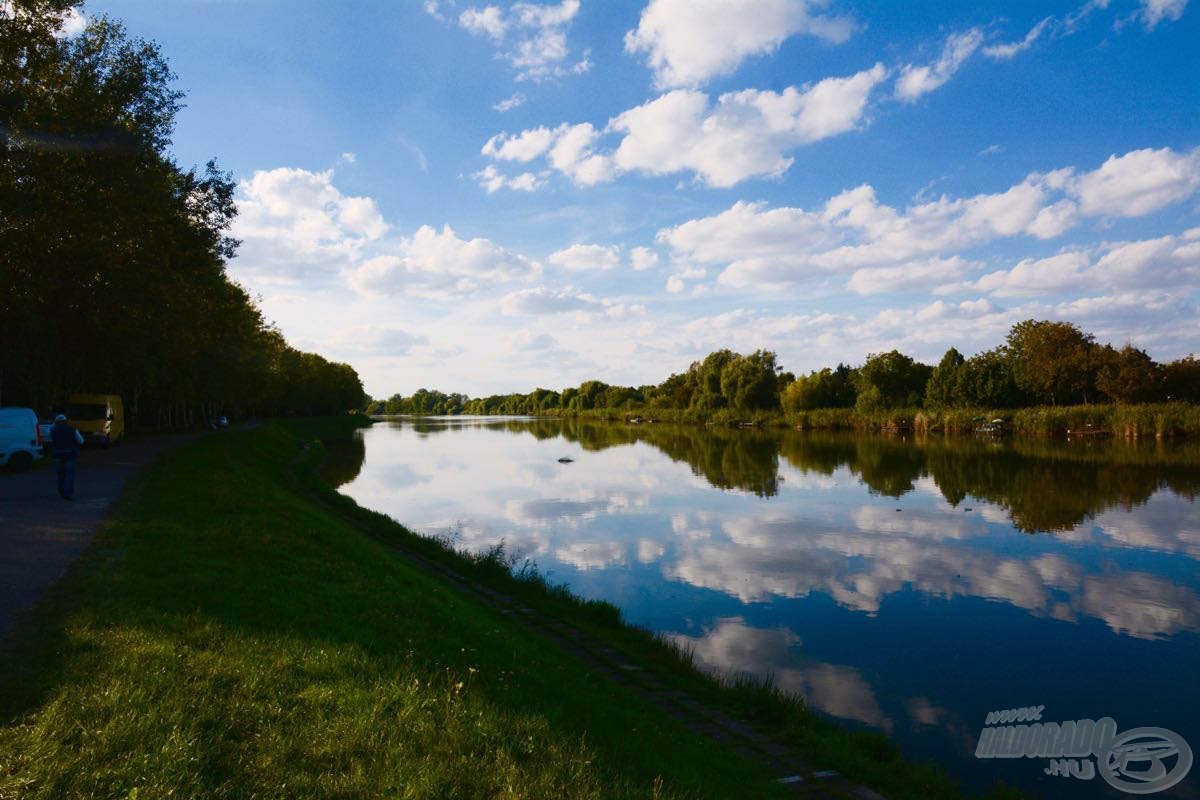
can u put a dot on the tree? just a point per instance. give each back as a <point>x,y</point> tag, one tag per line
<point>1181,380</point>
<point>704,378</point>
<point>1052,361</point>
<point>942,389</point>
<point>825,388</point>
<point>749,383</point>
<point>1129,375</point>
<point>112,257</point>
<point>985,380</point>
<point>891,380</point>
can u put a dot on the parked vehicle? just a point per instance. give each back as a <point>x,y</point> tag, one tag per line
<point>99,417</point>
<point>20,438</point>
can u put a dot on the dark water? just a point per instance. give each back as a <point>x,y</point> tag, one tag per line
<point>906,585</point>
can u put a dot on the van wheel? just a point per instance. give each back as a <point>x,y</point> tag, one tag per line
<point>20,462</point>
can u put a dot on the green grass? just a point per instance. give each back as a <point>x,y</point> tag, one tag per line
<point>239,630</point>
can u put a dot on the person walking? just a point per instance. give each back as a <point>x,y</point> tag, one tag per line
<point>65,441</point>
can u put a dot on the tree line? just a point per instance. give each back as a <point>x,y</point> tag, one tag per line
<point>112,256</point>
<point>1040,363</point>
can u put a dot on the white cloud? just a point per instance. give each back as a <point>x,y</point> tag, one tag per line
<point>75,23</point>
<point>294,222</point>
<point>572,155</point>
<point>493,180</point>
<point>912,275</point>
<point>745,134</point>
<point>526,340</point>
<point>567,148</point>
<point>525,146</point>
<point>765,247</point>
<point>1011,49</point>
<point>509,103</point>
<point>375,340</point>
<point>642,258</point>
<point>991,150</point>
<point>348,158</point>
<point>587,257</point>
<point>440,264</point>
<point>1155,11</point>
<point>915,81</point>
<point>532,38</point>
<point>1166,262</point>
<point>541,300</point>
<point>1139,182</point>
<point>685,46</point>
<point>487,21</point>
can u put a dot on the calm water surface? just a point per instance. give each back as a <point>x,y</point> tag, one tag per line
<point>905,585</point>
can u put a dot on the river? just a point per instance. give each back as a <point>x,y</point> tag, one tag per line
<point>904,584</point>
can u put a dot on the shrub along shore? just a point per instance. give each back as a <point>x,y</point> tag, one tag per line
<point>1142,421</point>
<point>239,628</point>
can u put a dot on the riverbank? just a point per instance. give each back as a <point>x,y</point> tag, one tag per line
<point>1140,421</point>
<point>232,631</point>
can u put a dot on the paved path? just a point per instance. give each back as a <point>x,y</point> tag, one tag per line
<point>41,534</point>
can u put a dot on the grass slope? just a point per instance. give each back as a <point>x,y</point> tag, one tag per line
<point>232,633</point>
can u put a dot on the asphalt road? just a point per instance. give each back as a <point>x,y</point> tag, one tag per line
<point>41,534</point>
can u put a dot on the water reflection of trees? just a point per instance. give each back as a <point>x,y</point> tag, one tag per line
<point>343,461</point>
<point>1045,485</point>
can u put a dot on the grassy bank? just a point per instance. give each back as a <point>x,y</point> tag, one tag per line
<point>232,633</point>
<point>1139,421</point>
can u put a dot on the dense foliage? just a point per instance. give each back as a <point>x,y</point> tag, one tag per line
<point>112,257</point>
<point>1040,363</point>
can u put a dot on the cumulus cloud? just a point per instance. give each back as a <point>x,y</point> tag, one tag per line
<point>587,257</point>
<point>761,247</point>
<point>544,301</point>
<point>531,37</point>
<point>541,300</point>
<point>1167,262</point>
<point>912,275</point>
<point>742,135</point>
<point>493,180</point>
<point>567,148</point>
<point>1139,182</point>
<point>439,264</point>
<point>686,47</point>
<point>642,258</point>
<point>293,223</point>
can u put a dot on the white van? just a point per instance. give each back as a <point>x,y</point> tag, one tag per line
<point>20,440</point>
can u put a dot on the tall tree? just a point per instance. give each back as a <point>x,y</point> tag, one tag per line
<point>1053,361</point>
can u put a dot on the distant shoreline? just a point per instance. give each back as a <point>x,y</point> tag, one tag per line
<point>1134,421</point>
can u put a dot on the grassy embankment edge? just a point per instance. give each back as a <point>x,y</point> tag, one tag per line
<point>195,650</point>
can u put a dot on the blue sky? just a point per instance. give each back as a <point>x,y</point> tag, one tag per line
<point>488,198</point>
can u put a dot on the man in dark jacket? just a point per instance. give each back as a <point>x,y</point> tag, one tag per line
<point>65,441</point>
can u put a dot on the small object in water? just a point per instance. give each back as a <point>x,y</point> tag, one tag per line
<point>966,509</point>
<point>897,511</point>
<point>565,460</point>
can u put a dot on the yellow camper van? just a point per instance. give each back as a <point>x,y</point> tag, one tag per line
<point>99,417</point>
